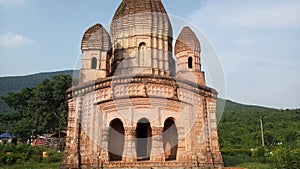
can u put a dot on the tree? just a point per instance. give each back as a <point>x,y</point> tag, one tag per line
<point>43,108</point>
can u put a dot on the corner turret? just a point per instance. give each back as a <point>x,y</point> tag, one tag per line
<point>96,51</point>
<point>188,62</point>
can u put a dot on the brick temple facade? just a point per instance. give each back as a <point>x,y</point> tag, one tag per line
<point>137,103</point>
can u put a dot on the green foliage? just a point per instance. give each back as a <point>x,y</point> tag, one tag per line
<point>259,154</point>
<point>284,157</point>
<point>239,126</point>
<point>234,160</point>
<point>43,108</point>
<point>20,154</point>
<point>54,158</point>
<point>11,154</point>
<point>239,131</point>
<point>249,165</point>
<point>17,83</point>
<point>33,165</point>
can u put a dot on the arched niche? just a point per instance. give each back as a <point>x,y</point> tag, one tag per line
<point>170,139</point>
<point>116,140</point>
<point>143,139</point>
<point>142,54</point>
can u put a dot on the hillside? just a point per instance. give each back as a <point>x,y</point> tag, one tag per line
<point>17,83</point>
<point>240,125</point>
<point>239,131</point>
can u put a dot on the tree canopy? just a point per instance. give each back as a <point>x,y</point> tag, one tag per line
<point>42,108</point>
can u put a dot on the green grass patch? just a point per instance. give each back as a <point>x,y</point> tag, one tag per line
<point>32,166</point>
<point>234,160</point>
<point>255,166</point>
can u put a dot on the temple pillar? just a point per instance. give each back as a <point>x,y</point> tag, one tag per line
<point>129,153</point>
<point>104,150</point>
<point>181,152</point>
<point>157,151</point>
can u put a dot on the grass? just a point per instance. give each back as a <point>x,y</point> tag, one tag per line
<point>32,166</point>
<point>255,166</point>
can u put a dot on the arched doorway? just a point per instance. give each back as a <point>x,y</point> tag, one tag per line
<point>170,139</point>
<point>143,139</point>
<point>116,140</point>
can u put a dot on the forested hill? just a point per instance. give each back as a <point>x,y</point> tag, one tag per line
<point>17,83</point>
<point>239,125</point>
<point>233,106</point>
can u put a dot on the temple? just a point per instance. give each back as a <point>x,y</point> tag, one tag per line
<point>137,103</point>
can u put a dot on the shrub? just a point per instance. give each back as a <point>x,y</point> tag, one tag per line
<point>10,154</point>
<point>233,160</point>
<point>259,154</point>
<point>53,158</point>
<point>284,157</point>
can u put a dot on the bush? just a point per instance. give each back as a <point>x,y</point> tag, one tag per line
<point>255,166</point>
<point>231,151</point>
<point>3,158</point>
<point>53,158</point>
<point>284,157</point>
<point>11,159</point>
<point>233,160</point>
<point>10,154</point>
<point>259,154</point>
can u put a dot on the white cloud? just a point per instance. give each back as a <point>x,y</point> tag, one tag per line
<point>12,2</point>
<point>12,40</point>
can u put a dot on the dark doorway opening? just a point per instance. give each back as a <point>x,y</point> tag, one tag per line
<point>143,140</point>
<point>190,62</point>
<point>116,140</point>
<point>94,63</point>
<point>170,139</point>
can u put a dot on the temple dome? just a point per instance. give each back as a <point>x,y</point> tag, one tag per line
<point>141,35</point>
<point>128,7</point>
<point>187,41</point>
<point>97,38</point>
<point>140,17</point>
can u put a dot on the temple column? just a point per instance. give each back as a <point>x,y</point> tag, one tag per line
<point>206,159</point>
<point>129,153</point>
<point>214,144</point>
<point>157,151</point>
<point>104,150</point>
<point>181,152</point>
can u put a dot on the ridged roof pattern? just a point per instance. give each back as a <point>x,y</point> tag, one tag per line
<point>187,40</point>
<point>129,7</point>
<point>96,37</point>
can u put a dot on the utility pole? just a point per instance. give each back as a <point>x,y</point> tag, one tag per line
<point>262,131</point>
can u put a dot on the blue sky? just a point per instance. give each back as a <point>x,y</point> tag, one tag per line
<point>258,42</point>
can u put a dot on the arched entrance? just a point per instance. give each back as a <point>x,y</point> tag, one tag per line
<point>170,139</point>
<point>143,139</point>
<point>116,140</point>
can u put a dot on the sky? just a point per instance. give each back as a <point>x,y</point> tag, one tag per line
<point>258,42</point>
